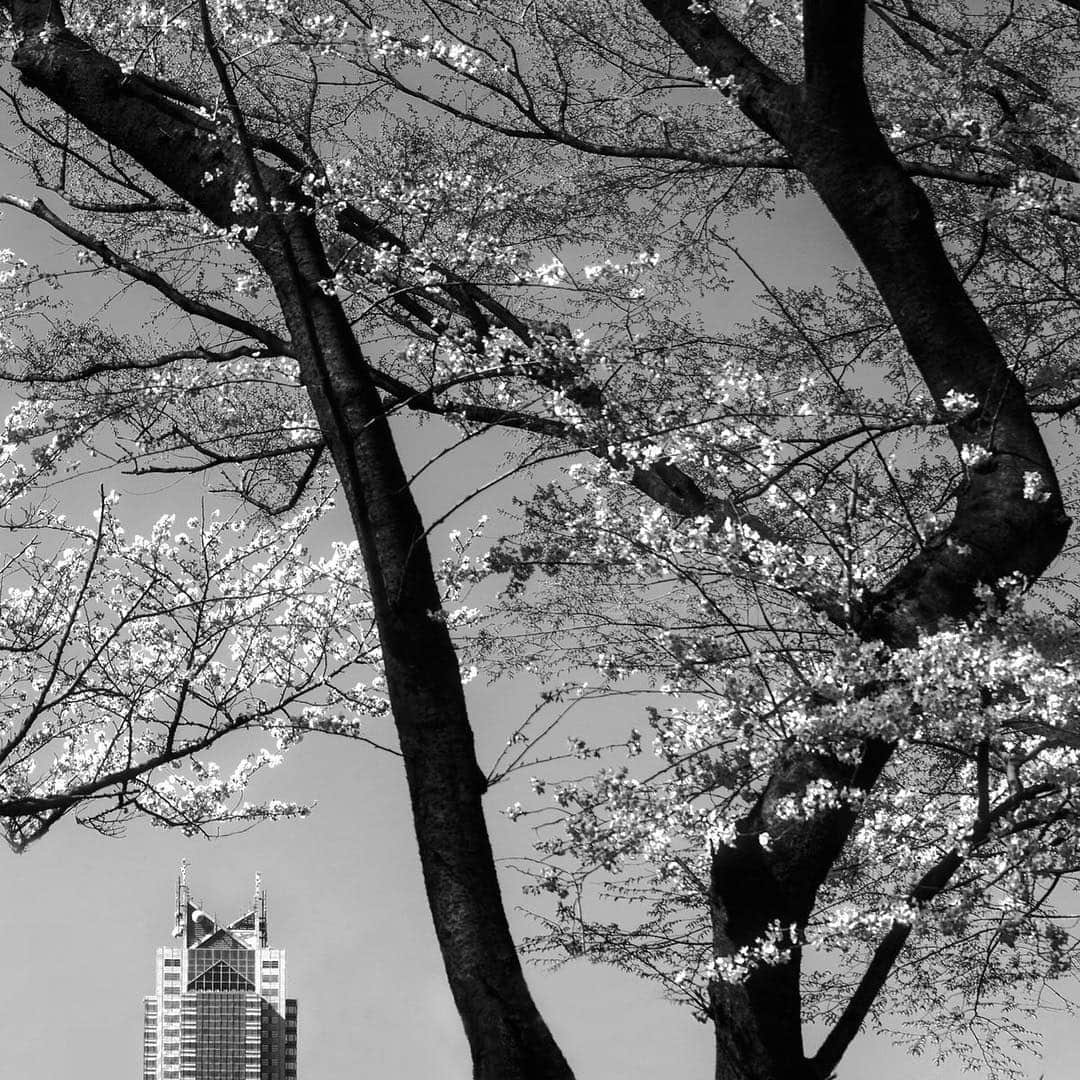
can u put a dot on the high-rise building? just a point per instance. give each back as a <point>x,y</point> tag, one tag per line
<point>219,1011</point>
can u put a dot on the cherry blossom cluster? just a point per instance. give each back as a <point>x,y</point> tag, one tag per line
<point>127,659</point>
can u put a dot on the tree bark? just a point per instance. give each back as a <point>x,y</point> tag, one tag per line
<point>508,1037</point>
<point>828,127</point>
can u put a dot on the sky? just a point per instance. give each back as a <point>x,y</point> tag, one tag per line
<point>83,914</point>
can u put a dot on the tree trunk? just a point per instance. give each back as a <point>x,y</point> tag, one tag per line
<point>507,1035</point>
<point>827,125</point>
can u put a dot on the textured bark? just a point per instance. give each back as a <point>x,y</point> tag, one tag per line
<point>827,126</point>
<point>508,1037</point>
<point>888,220</point>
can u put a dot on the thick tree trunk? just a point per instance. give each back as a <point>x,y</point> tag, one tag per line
<point>507,1035</point>
<point>828,127</point>
<point>888,220</point>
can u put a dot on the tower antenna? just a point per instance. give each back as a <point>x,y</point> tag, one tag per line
<point>260,911</point>
<point>182,898</point>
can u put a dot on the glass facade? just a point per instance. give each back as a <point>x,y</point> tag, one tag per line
<point>220,1010</point>
<point>221,1038</point>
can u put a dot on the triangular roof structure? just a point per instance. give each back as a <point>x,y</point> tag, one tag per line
<point>199,931</point>
<point>222,939</point>
<point>245,922</point>
<point>221,976</point>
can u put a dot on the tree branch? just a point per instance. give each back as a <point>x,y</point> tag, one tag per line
<point>277,345</point>
<point>919,895</point>
<point>762,94</point>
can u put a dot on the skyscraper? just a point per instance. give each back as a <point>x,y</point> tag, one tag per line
<point>219,1011</point>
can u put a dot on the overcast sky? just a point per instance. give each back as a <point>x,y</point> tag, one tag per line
<point>83,915</point>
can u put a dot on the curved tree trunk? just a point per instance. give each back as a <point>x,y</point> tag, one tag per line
<point>827,126</point>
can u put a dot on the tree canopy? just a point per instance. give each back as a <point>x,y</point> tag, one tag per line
<point>806,547</point>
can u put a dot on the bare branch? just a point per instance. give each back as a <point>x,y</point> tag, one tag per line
<point>277,345</point>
